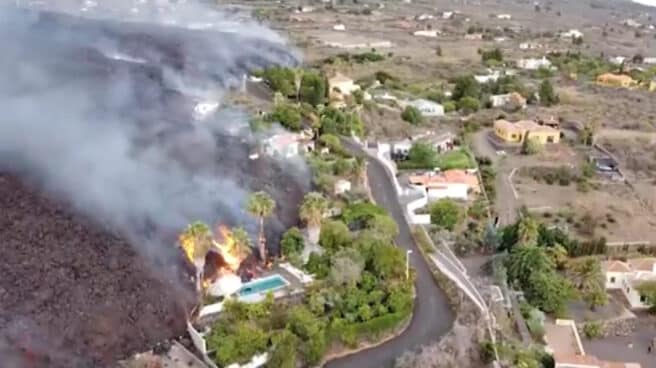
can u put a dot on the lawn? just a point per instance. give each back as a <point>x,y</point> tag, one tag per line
<point>456,159</point>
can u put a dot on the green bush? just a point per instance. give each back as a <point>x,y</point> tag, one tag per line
<point>412,115</point>
<point>281,79</point>
<point>287,115</point>
<point>313,88</point>
<point>592,330</point>
<point>449,106</point>
<point>469,104</point>
<point>445,213</point>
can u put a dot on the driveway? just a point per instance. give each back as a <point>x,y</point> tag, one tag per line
<point>505,203</point>
<point>432,317</point>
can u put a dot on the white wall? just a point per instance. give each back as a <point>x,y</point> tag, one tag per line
<point>453,191</point>
<point>632,296</point>
<point>615,280</point>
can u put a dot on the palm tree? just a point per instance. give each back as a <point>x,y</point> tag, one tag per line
<point>197,240</point>
<point>588,279</point>
<point>524,261</point>
<point>242,242</point>
<point>312,209</point>
<point>261,205</point>
<point>527,231</point>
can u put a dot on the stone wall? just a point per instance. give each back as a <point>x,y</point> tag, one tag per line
<point>613,327</point>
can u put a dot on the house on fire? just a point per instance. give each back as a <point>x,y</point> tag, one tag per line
<point>287,145</point>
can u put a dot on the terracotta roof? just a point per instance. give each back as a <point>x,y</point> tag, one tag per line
<point>642,264</point>
<point>615,266</point>
<point>436,180</point>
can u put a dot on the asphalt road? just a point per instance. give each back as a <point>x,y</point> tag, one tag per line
<point>432,317</point>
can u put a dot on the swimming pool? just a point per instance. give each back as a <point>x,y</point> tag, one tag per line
<point>263,285</point>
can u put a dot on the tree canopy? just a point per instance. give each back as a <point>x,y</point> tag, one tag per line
<point>281,79</point>
<point>313,88</point>
<point>445,213</point>
<point>412,115</point>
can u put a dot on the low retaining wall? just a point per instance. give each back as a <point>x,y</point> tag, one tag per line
<point>613,327</point>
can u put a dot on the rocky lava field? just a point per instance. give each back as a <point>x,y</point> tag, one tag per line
<point>73,295</point>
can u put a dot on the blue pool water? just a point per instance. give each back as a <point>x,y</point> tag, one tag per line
<point>262,286</point>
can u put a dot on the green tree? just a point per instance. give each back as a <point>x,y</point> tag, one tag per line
<point>527,231</point>
<point>647,289</point>
<point>196,241</point>
<point>412,115</point>
<point>445,213</point>
<point>334,235</point>
<point>558,255</point>
<point>530,146</point>
<point>422,155</point>
<point>292,242</point>
<point>466,86</point>
<point>332,142</point>
<point>547,291</point>
<point>281,79</point>
<point>261,205</point>
<point>283,354</point>
<point>334,121</point>
<point>358,96</point>
<point>449,106</point>
<point>383,226</point>
<point>239,345</point>
<point>313,88</point>
<point>388,262</point>
<point>312,209</point>
<point>588,279</point>
<point>347,267</point>
<point>287,115</point>
<point>469,104</point>
<point>494,55</point>
<point>548,96</point>
<point>524,261</point>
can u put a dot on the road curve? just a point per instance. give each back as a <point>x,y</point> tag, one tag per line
<point>432,317</point>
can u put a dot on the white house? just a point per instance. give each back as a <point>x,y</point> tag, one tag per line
<point>455,184</point>
<point>441,143</point>
<point>339,27</point>
<point>572,33</point>
<point>617,60</point>
<point>426,33</point>
<point>426,107</point>
<point>342,186</point>
<point>627,277</point>
<point>533,64</point>
<point>424,17</point>
<point>504,16</point>
<point>513,99</point>
<point>529,46</point>
<point>447,15</point>
<point>286,145</point>
<point>649,60</point>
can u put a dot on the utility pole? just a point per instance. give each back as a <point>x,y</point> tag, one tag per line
<point>407,263</point>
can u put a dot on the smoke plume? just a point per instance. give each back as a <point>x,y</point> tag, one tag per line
<point>101,112</point>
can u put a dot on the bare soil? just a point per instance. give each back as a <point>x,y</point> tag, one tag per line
<point>75,295</point>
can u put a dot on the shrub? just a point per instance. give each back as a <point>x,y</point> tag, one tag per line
<point>592,330</point>
<point>469,104</point>
<point>313,88</point>
<point>412,115</point>
<point>287,115</point>
<point>449,106</point>
<point>281,79</point>
<point>445,213</point>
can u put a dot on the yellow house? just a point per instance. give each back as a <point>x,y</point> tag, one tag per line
<point>616,80</point>
<point>652,86</point>
<point>516,132</point>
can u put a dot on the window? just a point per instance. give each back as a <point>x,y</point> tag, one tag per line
<point>612,280</point>
<point>642,299</point>
<point>550,139</point>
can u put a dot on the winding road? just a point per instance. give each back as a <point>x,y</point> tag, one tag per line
<point>432,317</point>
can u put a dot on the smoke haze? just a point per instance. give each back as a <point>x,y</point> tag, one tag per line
<point>102,113</point>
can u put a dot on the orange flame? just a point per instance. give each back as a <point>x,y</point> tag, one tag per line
<point>187,244</point>
<point>228,248</point>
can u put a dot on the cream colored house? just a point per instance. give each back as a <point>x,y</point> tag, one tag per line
<point>628,276</point>
<point>342,85</point>
<point>518,131</point>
